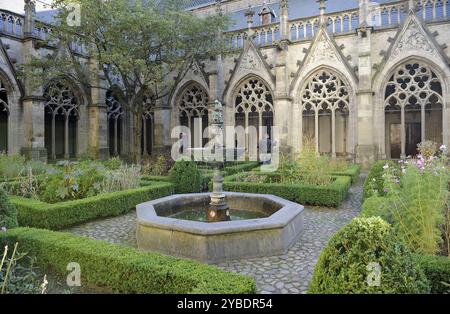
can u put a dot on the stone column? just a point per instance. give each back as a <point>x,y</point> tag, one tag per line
<point>33,102</point>
<point>98,119</point>
<point>162,131</point>
<point>282,100</point>
<point>366,152</point>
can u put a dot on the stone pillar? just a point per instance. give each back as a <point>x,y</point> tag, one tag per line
<point>282,101</point>
<point>33,102</point>
<point>98,119</point>
<point>162,131</point>
<point>366,152</point>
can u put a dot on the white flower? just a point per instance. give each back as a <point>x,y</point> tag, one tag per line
<point>3,229</point>
<point>386,166</point>
<point>44,285</point>
<point>443,148</point>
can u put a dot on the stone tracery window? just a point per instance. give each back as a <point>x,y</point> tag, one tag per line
<point>413,109</point>
<point>148,129</point>
<point>193,112</point>
<point>254,111</point>
<point>325,103</point>
<point>4,114</point>
<point>61,114</point>
<point>115,123</point>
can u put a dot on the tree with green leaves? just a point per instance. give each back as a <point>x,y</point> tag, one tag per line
<point>140,49</point>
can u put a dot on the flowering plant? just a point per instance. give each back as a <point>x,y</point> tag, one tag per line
<point>416,195</point>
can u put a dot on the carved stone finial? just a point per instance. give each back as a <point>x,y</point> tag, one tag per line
<point>322,8</point>
<point>249,14</point>
<point>284,4</point>
<point>411,5</point>
<point>30,5</point>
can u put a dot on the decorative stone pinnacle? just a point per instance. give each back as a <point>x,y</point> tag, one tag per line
<point>249,13</point>
<point>30,5</point>
<point>411,5</point>
<point>322,8</point>
<point>284,4</point>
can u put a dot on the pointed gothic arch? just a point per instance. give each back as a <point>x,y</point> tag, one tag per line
<point>192,109</point>
<point>413,105</point>
<point>115,114</point>
<point>4,117</point>
<point>326,112</point>
<point>254,112</point>
<point>148,125</point>
<point>62,113</point>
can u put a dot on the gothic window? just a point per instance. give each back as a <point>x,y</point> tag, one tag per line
<point>193,112</point>
<point>4,113</point>
<point>254,112</point>
<point>413,109</point>
<point>148,129</point>
<point>325,112</point>
<point>61,119</point>
<point>115,123</point>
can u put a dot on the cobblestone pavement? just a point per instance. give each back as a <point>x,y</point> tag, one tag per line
<point>288,273</point>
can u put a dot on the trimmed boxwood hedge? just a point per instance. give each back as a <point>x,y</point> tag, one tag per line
<point>34,213</point>
<point>437,271</point>
<point>122,269</point>
<point>328,195</point>
<point>352,171</point>
<point>343,266</point>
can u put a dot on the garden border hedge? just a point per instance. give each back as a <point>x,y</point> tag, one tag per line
<point>352,171</point>
<point>123,269</point>
<point>34,213</point>
<point>437,271</point>
<point>329,195</point>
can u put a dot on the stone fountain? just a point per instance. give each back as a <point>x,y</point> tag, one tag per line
<point>218,226</point>
<point>218,209</point>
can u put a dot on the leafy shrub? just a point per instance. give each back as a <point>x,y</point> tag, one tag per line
<point>345,264</point>
<point>122,178</point>
<point>437,271</point>
<point>315,169</point>
<point>123,269</point>
<point>159,165</point>
<point>74,181</point>
<point>186,177</point>
<point>12,167</point>
<point>374,184</point>
<point>29,185</point>
<point>113,163</point>
<point>8,212</point>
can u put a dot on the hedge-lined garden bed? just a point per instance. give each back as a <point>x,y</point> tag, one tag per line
<point>352,172</point>
<point>331,195</point>
<point>207,172</point>
<point>122,269</point>
<point>38,214</point>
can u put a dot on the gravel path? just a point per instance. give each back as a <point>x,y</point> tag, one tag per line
<point>288,273</point>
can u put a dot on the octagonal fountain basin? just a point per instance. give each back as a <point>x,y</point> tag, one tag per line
<point>260,225</point>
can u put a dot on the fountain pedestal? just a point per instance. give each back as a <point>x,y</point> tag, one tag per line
<point>218,209</point>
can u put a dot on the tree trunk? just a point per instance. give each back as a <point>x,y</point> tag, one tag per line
<point>137,154</point>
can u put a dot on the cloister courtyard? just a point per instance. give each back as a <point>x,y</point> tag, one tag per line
<point>224,147</point>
